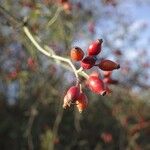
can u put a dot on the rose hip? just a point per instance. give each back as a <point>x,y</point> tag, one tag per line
<point>96,85</point>
<point>108,65</point>
<point>95,47</point>
<point>88,62</point>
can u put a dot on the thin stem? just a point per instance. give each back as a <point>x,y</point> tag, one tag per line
<point>56,126</point>
<point>80,69</point>
<point>11,19</point>
<point>85,75</point>
<point>32,116</point>
<point>52,55</point>
<point>27,32</point>
<point>51,21</point>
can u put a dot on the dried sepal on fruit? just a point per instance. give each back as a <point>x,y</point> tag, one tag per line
<point>71,96</point>
<point>66,103</point>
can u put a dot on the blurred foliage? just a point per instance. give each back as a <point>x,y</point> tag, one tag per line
<point>32,88</point>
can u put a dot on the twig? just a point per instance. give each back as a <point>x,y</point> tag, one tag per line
<point>54,56</point>
<point>59,9</point>
<point>11,19</point>
<point>33,114</point>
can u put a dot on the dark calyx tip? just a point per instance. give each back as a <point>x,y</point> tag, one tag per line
<point>103,93</point>
<point>118,66</point>
<point>100,40</point>
<point>76,47</point>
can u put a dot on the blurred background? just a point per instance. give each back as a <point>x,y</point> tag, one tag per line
<point>32,86</point>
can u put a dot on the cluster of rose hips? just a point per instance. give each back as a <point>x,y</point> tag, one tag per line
<point>95,83</point>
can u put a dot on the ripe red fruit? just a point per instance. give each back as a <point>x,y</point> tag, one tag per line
<point>76,54</point>
<point>108,65</point>
<point>73,93</point>
<point>95,47</point>
<point>96,85</point>
<point>82,102</point>
<point>88,62</point>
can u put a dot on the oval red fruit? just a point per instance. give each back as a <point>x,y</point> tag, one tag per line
<point>88,62</point>
<point>96,85</point>
<point>108,65</point>
<point>95,47</point>
<point>73,93</point>
<point>82,102</point>
<point>76,54</point>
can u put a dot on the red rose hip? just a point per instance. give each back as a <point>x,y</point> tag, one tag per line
<point>108,65</point>
<point>88,62</point>
<point>76,54</point>
<point>73,93</point>
<point>82,102</point>
<point>96,85</point>
<point>95,47</point>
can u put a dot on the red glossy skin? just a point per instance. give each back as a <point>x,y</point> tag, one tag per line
<point>82,102</point>
<point>88,62</point>
<point>95,47</point>
<point>108,65</point>
<point>96,85</point>
<point>73,93</point>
